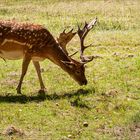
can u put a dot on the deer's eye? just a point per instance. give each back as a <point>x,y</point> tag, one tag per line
<point>77,72</point>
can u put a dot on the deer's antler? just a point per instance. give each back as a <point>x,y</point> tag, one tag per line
<point>82,34</point>
<point>64,38</point>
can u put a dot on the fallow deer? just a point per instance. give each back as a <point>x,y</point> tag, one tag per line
<point>35,43</point>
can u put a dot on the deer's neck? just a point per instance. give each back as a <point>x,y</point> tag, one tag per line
<point>57,55</point>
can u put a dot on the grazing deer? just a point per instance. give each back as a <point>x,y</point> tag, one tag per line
<point>35,43</point>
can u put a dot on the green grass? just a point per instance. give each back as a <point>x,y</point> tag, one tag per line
<point>110,103</point>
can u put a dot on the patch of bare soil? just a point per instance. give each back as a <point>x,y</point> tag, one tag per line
<point>10,79</point>
<point>12,130</point>
<point>131,132</point>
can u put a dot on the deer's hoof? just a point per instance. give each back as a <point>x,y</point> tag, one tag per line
<point>42,94</point>
<point>18,91</point>
<point>42,91</point>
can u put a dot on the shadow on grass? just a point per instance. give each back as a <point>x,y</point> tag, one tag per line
<point>42,96</point>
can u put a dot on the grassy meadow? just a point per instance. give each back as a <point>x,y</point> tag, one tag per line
<point>108,108</point>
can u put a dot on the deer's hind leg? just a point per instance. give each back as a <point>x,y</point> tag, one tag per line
<point>25,65</point>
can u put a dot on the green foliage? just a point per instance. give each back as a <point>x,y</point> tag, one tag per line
<point>109,104</point>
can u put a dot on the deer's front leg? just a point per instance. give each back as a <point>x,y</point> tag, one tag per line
<point>37,67</point>
<point>25,65</point>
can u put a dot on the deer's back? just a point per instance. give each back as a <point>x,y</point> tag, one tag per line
<point>16,38</point>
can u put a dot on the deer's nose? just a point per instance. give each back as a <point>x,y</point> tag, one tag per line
<point>84,82</point>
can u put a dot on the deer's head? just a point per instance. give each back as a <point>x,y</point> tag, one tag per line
<point>76,69</point>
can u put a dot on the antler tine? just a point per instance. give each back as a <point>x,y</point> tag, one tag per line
<point>82,34</point>
<point>70,31</point>
<point>64,31</point>
<point>73,54</point>
<point>64,38</point>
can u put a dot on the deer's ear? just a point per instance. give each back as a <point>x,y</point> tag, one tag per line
<point>69,64</point>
